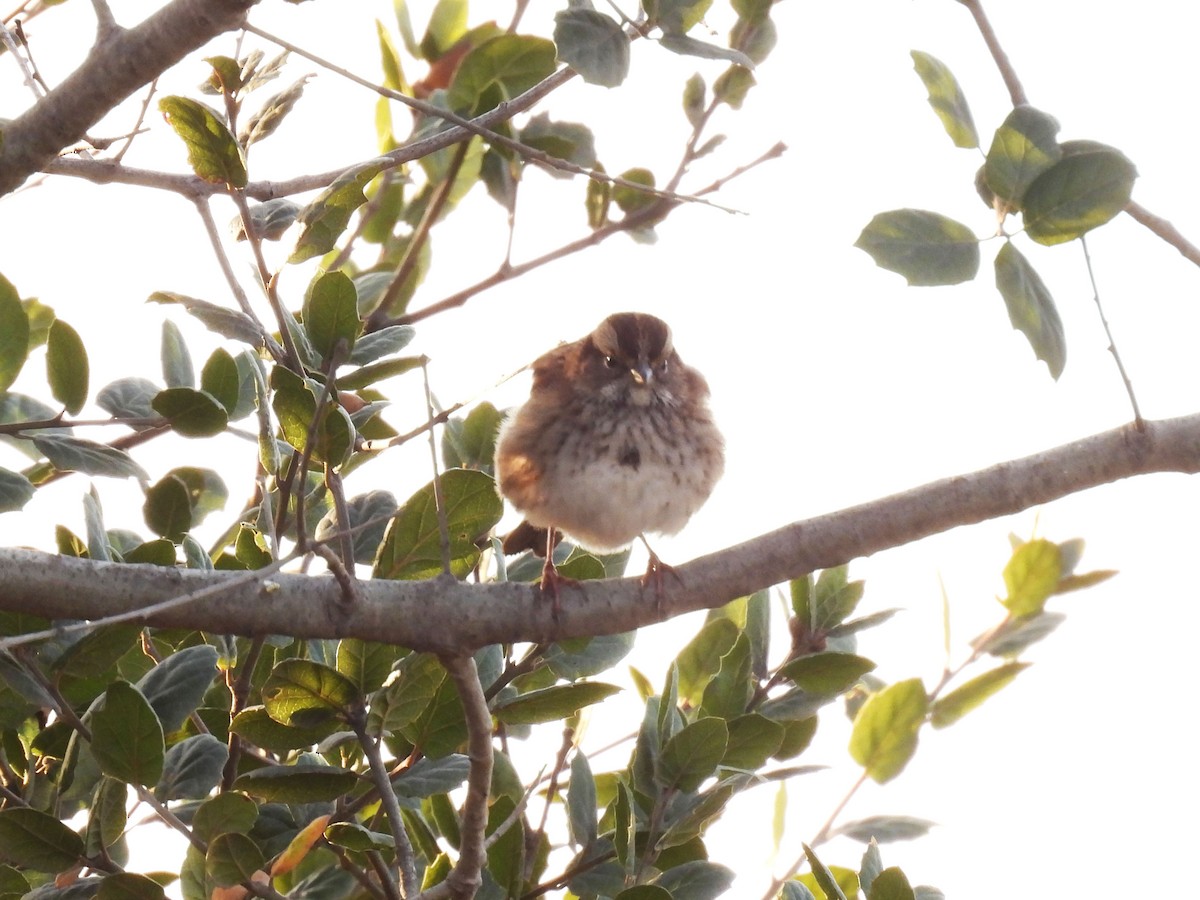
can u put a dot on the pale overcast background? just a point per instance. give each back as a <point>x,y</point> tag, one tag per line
<point>834,382</point>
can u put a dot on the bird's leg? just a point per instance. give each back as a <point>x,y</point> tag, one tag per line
<point>552,582</point>
<point>654,573</point>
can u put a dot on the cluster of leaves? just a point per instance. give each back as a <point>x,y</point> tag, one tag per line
<point>1062,190</point>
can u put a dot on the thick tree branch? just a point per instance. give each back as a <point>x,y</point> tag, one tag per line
<point>120,62</point>
<point>453,618</point>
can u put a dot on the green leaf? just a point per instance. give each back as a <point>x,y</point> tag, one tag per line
<point>676,16</point>
<point>213,153</point>
<point>305,693</point>
<point>220,380</point>
<point>827,673</point>
<point>36,841</point>
<point>571,141</point>
<point>230,323</point>
<point>427,776</point>
<point>592,44</point>
<point>69,454</point>
<point>470,442</point>
<point>177,367</point>
<point>168,508</point>
<point>885,829</point>
<point>127,738</point>
<point>697,879</point>
<point>1078,193</point>
<point>67,366</point>
<point>128,397</point>
<point>268,221</point>
<point>326,217</point>
<point>499,70</point>
<point>447,24</point>
<point>581,802</point>
<point>946,98</point>
<point>689,46</point>
<point>693,754</point>
<point>585,657</point>
<point>694,101</point>
<point>352,836</point>
<point>1031,309</point>
<point>367,664</point>
<point>374,507</point>
<point>270,115</point>
<point>753,739</point>
<point>15,490</point>
<point>630,199</point>
<point>728,694</point>
<point>256,725</point>
<point>962,700</point>
<point>378,344</point>
<point>597,200</point>
<point>884,737</point>
<point>14,334</point>
<point>823,876</point>
<point>411,548</point>
<point>295,406</point>
<point>1023,148</point>
<point>224,813</point>
<point>644,892</point>
<point>297,784</point>
<point>176,685</point>
<point>232,858</point>
<point>552,703</point>
<point>700,660</point>
<point>331,314</point>
<point>130,886</point>
<point>891,884</point>
<point>732,86</point>
<point>192,413</point>
<point>925,247</point>
<point>1031,576</point>
<point>826,603</point>
<point>192,768</point>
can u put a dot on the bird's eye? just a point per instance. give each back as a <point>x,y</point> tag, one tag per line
<point>662,367</point>
<point>611,362</point>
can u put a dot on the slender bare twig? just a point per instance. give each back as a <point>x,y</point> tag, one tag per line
<point>1015,92</point>
<point>412,253</point>
<point>631,222</point>
<point>137,125</point>
<point>439,499</point>
<point>405,860</point>
<point>466,876</point>
<point>1112,344</point>
<point>1165,230</point>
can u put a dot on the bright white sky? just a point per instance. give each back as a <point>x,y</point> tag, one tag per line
<point>833,381</point>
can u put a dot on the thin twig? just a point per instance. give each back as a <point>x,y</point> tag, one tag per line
<point>466,876</point>
<point>1016,93</point>
<point>137,125</point>
<point>439,499</point>
<point>1112,344</point>
<point>412,253</point>
<point>644,216</point>
<point>405,860</point>
<point>1165,230</point>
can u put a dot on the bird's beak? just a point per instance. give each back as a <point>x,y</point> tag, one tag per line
<point>643,372</point>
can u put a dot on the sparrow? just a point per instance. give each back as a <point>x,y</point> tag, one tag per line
<point>615,441</point>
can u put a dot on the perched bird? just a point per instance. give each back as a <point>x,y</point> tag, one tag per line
<point>616,440</point>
